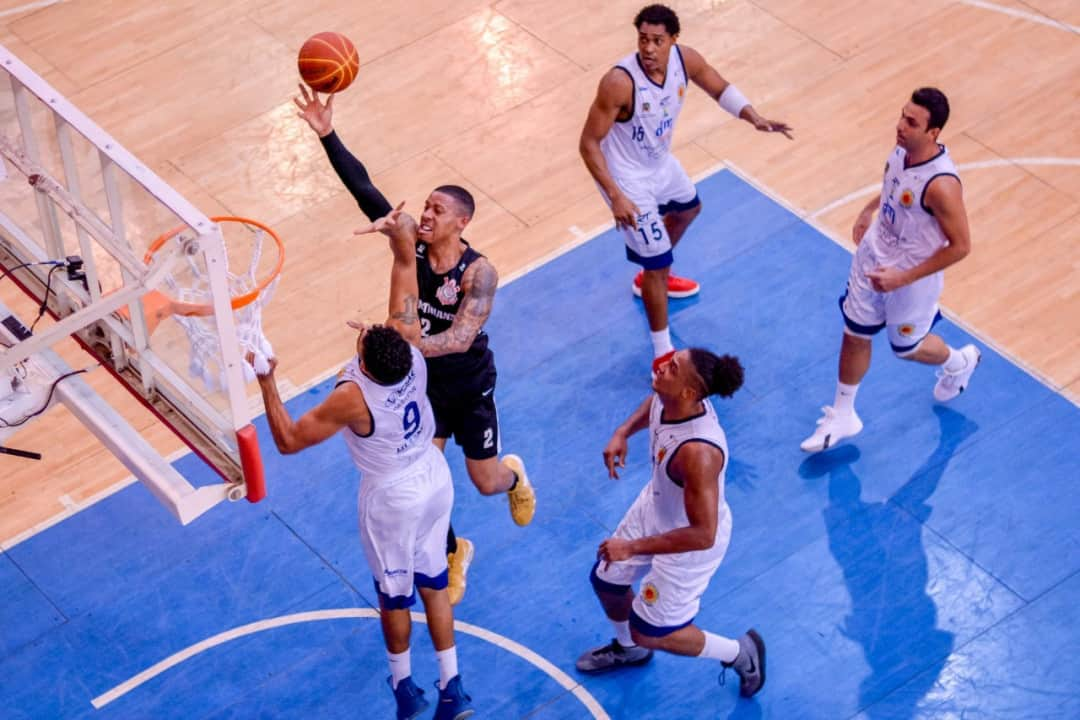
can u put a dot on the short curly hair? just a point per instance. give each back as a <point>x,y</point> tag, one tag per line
<point>658,15</point>
<point>387,356</point>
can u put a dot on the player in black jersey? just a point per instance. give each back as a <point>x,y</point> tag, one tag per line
<point>457,289</point>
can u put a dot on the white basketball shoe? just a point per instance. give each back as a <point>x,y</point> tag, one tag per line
<point>949,384</point>
<point>832,427</point>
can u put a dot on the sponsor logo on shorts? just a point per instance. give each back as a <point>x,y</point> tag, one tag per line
<point>395,573</point>
<point>907,330</point>
<point>650,594</point>
<point>906,198</point>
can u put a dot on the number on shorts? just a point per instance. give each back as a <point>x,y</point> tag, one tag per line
<point>657,233</point>
<point>411,420</point>
<point>489,437</point>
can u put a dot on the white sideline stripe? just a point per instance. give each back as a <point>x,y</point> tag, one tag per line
<point>809,219</point>
<point>981,164</point>
<point>1032,17</point>
<point>505,643</point>
<point>30,6</point>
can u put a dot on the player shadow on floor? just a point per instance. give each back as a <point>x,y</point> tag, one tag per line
<point>879,546</point>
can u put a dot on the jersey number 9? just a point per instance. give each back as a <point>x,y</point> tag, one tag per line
<point>411,419</point>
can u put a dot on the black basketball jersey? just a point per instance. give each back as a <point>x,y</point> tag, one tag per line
<point>440,298</point>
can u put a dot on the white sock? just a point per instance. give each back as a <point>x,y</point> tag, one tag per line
<point>400,666</point>
<point>718,647</point>
<point>844,403</point>
<point>622,633</point>
<point>661,341</point>
<point>447,665</point>
<point>956,361</point>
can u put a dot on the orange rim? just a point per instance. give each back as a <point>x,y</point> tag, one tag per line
<point>240,300</point>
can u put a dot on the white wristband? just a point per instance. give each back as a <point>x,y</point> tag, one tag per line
<point>732,100</point>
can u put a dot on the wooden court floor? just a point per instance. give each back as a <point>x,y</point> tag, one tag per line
<point>492,95</point>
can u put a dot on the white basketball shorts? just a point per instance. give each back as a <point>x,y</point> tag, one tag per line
<point>908,312</point>
<point>656,191</point>
<point>671,586</point>
<point>403,525</point>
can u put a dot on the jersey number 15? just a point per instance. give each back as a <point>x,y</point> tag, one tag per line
<point>655,231</point>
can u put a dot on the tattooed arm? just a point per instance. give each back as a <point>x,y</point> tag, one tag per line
<point>478,283</point>
<point>404,292</point>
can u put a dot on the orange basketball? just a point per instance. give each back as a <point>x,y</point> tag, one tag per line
<point>328,62</point>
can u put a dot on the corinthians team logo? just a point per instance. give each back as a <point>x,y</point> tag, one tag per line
<point>447,293</point>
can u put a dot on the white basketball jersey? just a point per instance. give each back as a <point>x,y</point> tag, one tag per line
<point>635,145</point>
<point>402,424</point>
<point>905,232</point>
<point>665,438</point>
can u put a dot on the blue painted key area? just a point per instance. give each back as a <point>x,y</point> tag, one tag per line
<point>927,568</point>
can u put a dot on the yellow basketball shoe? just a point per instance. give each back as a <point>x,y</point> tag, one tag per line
<point>458,566</point>
<point>522,496</point>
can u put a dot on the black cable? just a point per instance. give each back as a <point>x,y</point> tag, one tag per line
<point>28,454</point>
<point>45,301</point>
<point>7,272</point>
<point>44,407</point>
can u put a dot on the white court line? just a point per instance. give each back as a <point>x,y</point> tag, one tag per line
<point>538,661</point>
<point>1000,162</point>
<point>30,6</point>
<point>1029,16</point>
<point>810,219</point>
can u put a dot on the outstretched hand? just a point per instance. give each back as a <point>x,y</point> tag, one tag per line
<point>319,115</point>
<point>766,125</point>
<point>385,224</point>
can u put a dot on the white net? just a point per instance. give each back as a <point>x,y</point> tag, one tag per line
<point>205,360</point>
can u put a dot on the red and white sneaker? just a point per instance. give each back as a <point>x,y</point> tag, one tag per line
<point>658,361</point>
<point>677,287</point>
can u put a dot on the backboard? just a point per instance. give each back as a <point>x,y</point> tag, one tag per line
<point>77,214</point>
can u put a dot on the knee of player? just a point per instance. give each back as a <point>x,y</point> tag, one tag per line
<point>906,352</point>
<point>646,641</point>
<point>486,482</point>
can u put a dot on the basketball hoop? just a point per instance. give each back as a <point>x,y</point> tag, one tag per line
<point>191,304</point>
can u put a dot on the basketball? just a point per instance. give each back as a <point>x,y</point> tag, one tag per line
<point>328,62</point>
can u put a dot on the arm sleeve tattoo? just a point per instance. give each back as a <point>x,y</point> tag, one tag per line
<point>479,283</point>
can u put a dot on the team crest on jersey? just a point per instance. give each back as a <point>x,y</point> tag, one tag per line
<point>906,330</point>
<point>447,293</point>
<point>650,594</point>
<point>906,198</point>
<point>661,455</point>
